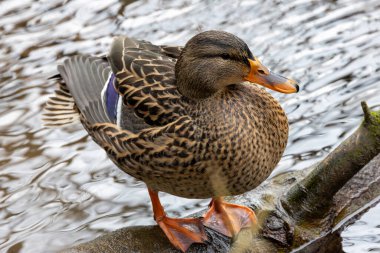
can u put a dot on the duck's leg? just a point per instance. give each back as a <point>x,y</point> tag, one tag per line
<point>228,218</point>
<point>180,232</point>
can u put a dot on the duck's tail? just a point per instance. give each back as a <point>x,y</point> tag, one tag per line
<point>60,108</point>
<point>81,80</point>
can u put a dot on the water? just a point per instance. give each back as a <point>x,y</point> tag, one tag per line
<point>58,188</point>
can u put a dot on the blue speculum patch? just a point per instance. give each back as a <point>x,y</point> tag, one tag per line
<point>111,98</point>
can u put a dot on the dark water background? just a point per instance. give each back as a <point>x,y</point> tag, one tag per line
<point>58,188</point>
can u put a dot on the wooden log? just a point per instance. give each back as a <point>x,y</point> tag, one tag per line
<point>313,196</point>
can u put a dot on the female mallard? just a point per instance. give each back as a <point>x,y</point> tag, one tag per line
<point>183,120</point>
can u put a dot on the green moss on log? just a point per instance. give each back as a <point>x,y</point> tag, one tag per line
<point>313,196</point>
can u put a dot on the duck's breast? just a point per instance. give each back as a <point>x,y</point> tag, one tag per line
<point>244,133</point>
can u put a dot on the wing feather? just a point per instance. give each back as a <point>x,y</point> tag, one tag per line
<point>146,146</point>
<point>145,78</point>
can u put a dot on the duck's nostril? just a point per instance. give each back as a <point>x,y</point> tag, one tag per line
<point>261,71</point>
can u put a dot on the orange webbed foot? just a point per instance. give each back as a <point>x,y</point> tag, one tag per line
<point>227,218</point>
<point>182,232</point>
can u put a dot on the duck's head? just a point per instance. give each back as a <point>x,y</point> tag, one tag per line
<point>214,60</point>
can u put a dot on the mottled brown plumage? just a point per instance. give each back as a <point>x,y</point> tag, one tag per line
<point>190,123</point>
<point>226,145</point>
<point>223,144</point>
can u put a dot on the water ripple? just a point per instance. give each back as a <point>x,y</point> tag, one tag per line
<point>58,188</point>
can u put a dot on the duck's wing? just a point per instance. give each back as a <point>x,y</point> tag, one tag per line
<point>86,85</point>
<point>148,151</point>
<point>86,92</point>
<point>152,154</point>
<point>170,141</point>
<point>145,79</point>
<point>81,79</point>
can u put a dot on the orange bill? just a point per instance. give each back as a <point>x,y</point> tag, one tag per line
<point>262,75</point>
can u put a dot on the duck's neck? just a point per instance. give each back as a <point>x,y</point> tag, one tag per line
<point>195,86</point>
<point>195,89</point>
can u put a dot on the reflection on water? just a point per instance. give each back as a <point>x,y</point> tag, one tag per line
<point>58,188</point>
<point>364,235</point>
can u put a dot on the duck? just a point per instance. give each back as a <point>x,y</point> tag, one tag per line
<point>193,121</point>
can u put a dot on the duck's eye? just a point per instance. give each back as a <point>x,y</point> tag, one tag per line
<point>225,56</point>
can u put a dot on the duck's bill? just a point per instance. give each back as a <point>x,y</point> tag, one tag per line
<point>259,74</point>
